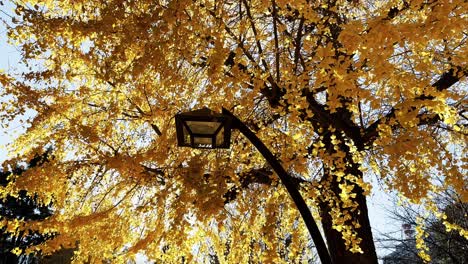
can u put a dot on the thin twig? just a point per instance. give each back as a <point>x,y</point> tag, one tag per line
<point>275,33</point>
<point>297,51</point>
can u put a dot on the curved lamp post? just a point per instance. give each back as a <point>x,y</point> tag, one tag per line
<point>204,128</point>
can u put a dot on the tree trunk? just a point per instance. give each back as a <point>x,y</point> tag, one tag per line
<point>336,246</point>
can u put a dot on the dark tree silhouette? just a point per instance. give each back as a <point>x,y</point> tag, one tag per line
<point>445,245</point>
<point>26,207</point>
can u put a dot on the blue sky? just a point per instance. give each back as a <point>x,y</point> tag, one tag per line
<point>10,56</point>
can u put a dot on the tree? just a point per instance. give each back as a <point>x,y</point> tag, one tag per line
<point>444,244</point>
<point>340,90</point>
<point>23,207</point>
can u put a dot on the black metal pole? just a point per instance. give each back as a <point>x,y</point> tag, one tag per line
<point>287,182</point>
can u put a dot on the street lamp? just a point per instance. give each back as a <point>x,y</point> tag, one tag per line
<point>205,129</point>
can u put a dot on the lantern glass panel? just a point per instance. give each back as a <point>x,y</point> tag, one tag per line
<point>203,142</point>
<point>203,127</point>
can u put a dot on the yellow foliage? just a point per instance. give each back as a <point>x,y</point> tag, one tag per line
<point>331,87</point>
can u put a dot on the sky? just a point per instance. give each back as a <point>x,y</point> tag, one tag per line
<point>378,201</point>
<point>9,57</point>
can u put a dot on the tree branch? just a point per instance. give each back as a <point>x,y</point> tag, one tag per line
<point>275,33</point>
<point>445,81</point>
<point>297,51</point>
